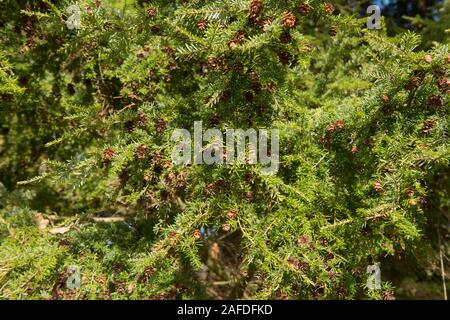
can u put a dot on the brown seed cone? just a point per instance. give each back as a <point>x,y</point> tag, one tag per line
<point>147,177</point>
<point>151,12</point>
<point>332,31</point>
<point>155,29</point>
<point>213,62</point>
<point>226,227</point>
<point>285,37</point>
<point>249,196</point>
<point>289,20</point>
<point>304,9</point>
<point>410,192</point>
<point>444,85</point>
<point>254,20</point>
<point>271,86</point>
<point>202,24</point>
<point>108,155</point>
<point>265,22</point>
<point>240,37</point>
<point>385,99</point>
<point>196,234</point>
<point>428,125</point>
<point>435,101</point>
<point>256,7</point>
<point>331,128</point>
<point>303,241</point>
<point>415,82</point>
<point>340,124</point>
<point>388,295</point>
<point>160,125</point>
<point>378,187</point>
<point>231,214</point>
<point>141,152</point>
<point>284,57</point>
<point>328,8</point>
<point>141,119</point>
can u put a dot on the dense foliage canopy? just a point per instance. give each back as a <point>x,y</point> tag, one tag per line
<point>86,178</point>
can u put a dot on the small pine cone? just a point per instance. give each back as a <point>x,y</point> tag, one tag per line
<point>141,152</point>
<point>196,234</point>
<point>285,37</point>
<point>385,99</point>
<point>167,78</point>
<point>210,188</point>
<point>354,150</point>
<point>428,58</point>
<point>293,261</point>
<point>256,7</point>
<point>160,125</point>
<point>415,82</point>
<point>173,236</point>
<point>444,85</point>
<point>271,86</point>
<point>265,22</point>
<point>147,177</point>
<point>141,119</point>
<point>303,241</point>
<point>168,51</point>
<point>213,62</point>
<point>410,192</point>
<point>226,227</point>
<point>233,44</point>
<point>181,179</point>
<point>304,9</point>
<point>166,164</point>
<point>140,55</point>
<point>332,31</point>
<point>284,57</point>
<point>108,154</point>
<point>428,125</point>
<point>388,295</point>
<point>148,272</point>
<point>63,243</point>
<point>231,214</point>
<point>388,169</point>
<point>151,12</point>
<point>202,24</point>
<point>331,128</point>
<point>249,196</point>
<point>448,58</point>
<point>98,3</point>
<point>157,157</point>
<point>328,8</point>
<point>155,29</point>
<point>340,124</point>
<point>223,63</point>
<point>289,20</point>
<point>238,39</point>
<point>378,187</point>
<point>435,101</point>
<point>253,20</point>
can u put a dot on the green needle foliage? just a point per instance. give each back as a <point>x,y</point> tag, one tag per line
<point>85,151</point>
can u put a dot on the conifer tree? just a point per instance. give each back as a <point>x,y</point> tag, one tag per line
<point>87,178</point>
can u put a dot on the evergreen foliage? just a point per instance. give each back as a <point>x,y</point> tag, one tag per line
<point>85,151</point>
